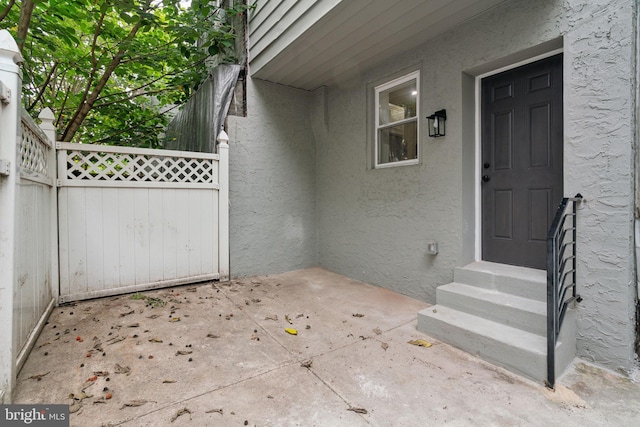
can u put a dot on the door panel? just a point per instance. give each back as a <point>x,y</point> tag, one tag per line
<point>522,161</point>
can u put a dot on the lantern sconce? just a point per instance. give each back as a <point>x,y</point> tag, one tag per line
<point>437,123</point>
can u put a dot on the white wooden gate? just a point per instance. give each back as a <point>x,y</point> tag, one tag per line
<point>134,219</point>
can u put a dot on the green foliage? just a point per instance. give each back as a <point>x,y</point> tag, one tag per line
<point>111,69</point>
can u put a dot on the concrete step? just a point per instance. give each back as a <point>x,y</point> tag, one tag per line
<point>519,351</point>
<point>527,314</point>
<point>520,281</point>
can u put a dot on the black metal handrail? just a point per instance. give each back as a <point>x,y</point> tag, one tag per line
<point>561,275</point>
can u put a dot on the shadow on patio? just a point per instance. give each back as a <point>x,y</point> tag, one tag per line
<point>218,354</point>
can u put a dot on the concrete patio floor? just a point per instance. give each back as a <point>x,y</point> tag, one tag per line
<point>218,354</point>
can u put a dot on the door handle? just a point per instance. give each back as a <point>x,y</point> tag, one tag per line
<point>486,178</point>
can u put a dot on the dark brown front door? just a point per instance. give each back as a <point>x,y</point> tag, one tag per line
<point>521,161</point>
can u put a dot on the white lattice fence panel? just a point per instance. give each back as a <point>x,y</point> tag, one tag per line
<point>34,149</point>
<point>82,165</point>
<point>133,219</point>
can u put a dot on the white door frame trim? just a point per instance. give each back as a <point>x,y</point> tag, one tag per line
<point>478,139</point>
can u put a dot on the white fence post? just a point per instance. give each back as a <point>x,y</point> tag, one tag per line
<point>10,88</point>
<point>223,206</point>
<point>46,124</point>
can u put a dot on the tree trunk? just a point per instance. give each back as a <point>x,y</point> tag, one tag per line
<point>25,19</point>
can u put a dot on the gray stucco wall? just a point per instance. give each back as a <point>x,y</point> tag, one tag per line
<point>373,224</point>
<point>272,182</point>
<point>303,194</point>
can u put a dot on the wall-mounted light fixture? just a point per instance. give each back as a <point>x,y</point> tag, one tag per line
<point>437,123</point>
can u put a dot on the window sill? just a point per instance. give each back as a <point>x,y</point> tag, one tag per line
<point>397,164</point>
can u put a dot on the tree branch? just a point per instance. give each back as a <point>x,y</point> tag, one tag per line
<point>85,107</point>
<point>119,100</point>
<point>43,87</point>
<point>64,102</point>
<point>6,10</point>
<point>94,63</point>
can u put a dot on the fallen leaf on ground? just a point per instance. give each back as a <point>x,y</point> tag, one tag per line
<point>115,339</point>
<point>122,369</point>
<point>255,337</point>
<point>307,363</point>
<point>213,336</point>
<point>420,342</point>
<point>108,396</point>
<point>192,290</point>
<point>134,325</point>
<point>211,411</point>
<point>100,373</point>
<point>39,376</point>
<point>74,408</point>
<point>357,410</point>
<point>168,381</point>
<point>377,331</point>
<point>288,319</point>
<point>291,331</point>
<point>183,352</point>
<point>155,302</point>
<point>384,346</point>
<point>357,315</point>
<point>133,403</point>
<point>127,313</point>
<point>180,413</point>
<point>273,317</point>
<point>155,340</point>
<point>99,400</point>
<point>174,319</point>
<point>80,396</point>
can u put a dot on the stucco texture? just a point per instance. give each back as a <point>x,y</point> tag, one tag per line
<point>272,182</point>
<point>303,192</point>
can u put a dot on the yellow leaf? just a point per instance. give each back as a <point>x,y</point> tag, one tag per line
<point>291,331</point>
<point>421,343</point>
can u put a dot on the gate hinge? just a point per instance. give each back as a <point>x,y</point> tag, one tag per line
<point>5,94</point>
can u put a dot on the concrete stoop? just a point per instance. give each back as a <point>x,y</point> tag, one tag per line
<point>499,313</point>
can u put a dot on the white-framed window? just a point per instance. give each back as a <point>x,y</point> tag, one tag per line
<point>396,121</point>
